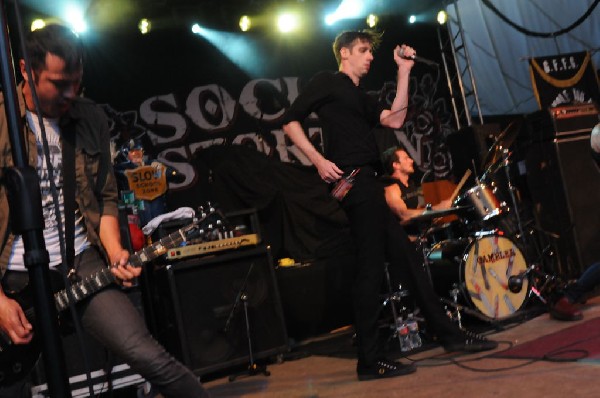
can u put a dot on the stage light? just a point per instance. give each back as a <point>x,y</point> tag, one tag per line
<point>330,19</point>
<point>245,23</point>
<point>372,20</point>
<point>346,10</point>
<point>442,17</point>
<point>412,19</point>
<point>37,24</point>
<point>287,22</point>
<point>196,29</point>
<point>242,49</point>
<point>74,17</point>
<point>144,26</point>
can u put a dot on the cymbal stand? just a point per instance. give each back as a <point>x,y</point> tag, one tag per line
<point>511,189</point>
<point>253,368</point>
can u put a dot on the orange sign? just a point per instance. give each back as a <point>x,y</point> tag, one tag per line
<point>147,182</point>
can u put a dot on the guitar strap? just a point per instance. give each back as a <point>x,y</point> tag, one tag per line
<point>69,184</point>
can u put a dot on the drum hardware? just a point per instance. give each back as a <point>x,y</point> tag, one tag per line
<point>496,152</point>
<point>543,284</point>
<point>392,298</point>
<point>454,294</point>
<point>429,215</point>
<point>458,308</point>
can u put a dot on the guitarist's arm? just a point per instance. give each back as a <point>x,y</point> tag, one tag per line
<point>111,240</point>
<point>13,322</point>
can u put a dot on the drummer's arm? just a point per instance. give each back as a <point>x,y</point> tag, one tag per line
<point>393,197</point>
<point>443,205</point>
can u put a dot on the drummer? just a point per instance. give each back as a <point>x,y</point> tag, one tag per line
<point>401,193</point>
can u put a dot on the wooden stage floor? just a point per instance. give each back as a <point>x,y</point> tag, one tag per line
<point>438,375</point>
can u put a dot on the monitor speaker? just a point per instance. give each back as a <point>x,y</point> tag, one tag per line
<point>204,304</point>
<point>564,182</point>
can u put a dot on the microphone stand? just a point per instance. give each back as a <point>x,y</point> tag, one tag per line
<point>22,185</point>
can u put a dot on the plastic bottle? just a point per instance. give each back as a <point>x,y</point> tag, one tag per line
<point>413,331</point>
<point>404,336</point>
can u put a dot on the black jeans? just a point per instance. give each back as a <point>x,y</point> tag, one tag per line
<point>110,317</point>
<point>379,237</point>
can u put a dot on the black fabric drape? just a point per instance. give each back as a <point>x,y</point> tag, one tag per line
<point>298,217</point>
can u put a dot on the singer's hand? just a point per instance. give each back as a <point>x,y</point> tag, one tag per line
<point>328,170</point>
<point>403,56</point>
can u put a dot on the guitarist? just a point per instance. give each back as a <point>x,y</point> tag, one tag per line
<point>55,55</point>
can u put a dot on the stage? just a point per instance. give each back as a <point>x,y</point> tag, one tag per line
<point>438,375</point>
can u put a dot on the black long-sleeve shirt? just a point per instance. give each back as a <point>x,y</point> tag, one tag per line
<point>347,114</point>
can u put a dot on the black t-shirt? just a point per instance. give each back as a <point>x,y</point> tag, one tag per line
<point>348,115</point>
<point>410,194</point>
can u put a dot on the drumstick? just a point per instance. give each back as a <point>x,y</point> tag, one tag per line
<point>462,182</point>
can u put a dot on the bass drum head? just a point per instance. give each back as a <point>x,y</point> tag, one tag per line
<point>487,264</point>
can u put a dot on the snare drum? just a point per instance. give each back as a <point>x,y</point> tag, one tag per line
<point>484,267</point>
<point>482,197</point>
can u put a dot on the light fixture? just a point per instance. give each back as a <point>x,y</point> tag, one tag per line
<point>372,20</point>
<point>287,22</point>
<point>412,19</point>
<point>442,17</point>
<point>37,24</point>
<point>144,26</point>
<point>196,29</point>
<point>245,23</point>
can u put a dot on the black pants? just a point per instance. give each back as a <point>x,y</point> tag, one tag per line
<point>379,238</point>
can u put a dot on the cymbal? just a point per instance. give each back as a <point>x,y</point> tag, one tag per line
<point>429,215</point>
<point>504,140</point>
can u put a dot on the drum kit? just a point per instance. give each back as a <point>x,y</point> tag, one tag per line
<point>477,259</point>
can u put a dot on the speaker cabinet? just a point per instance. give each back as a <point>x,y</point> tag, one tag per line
<point>202,306</point>
<point>564,181</point>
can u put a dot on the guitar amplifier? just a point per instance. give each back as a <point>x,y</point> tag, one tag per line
<point>201,318</point>
<point>573,119</point>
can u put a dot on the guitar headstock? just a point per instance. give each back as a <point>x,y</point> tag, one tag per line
<point>209,224</point>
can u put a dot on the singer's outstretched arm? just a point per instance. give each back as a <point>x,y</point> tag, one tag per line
<point>394,117</point>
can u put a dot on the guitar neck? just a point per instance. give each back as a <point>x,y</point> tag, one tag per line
<point>157,249</point>
<point>103,278</point>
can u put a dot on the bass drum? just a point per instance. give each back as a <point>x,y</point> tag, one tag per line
<point>483,271</point>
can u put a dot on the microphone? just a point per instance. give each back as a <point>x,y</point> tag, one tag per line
<point>416,58</point>
<point>515,283</point>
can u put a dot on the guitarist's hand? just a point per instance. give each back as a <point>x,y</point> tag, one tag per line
<point>13,321</point>
<point>122,270</point>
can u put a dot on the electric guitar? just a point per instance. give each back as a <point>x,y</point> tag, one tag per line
<point>17,360</point>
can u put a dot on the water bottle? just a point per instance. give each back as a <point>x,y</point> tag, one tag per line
<point>404,336</point>
<point>413,331</point>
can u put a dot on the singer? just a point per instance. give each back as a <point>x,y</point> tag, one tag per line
<point>349,115</point>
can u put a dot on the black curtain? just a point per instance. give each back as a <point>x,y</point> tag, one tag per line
<point>298,217</point>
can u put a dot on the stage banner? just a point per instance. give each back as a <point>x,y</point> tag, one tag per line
<point>564,79</point>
